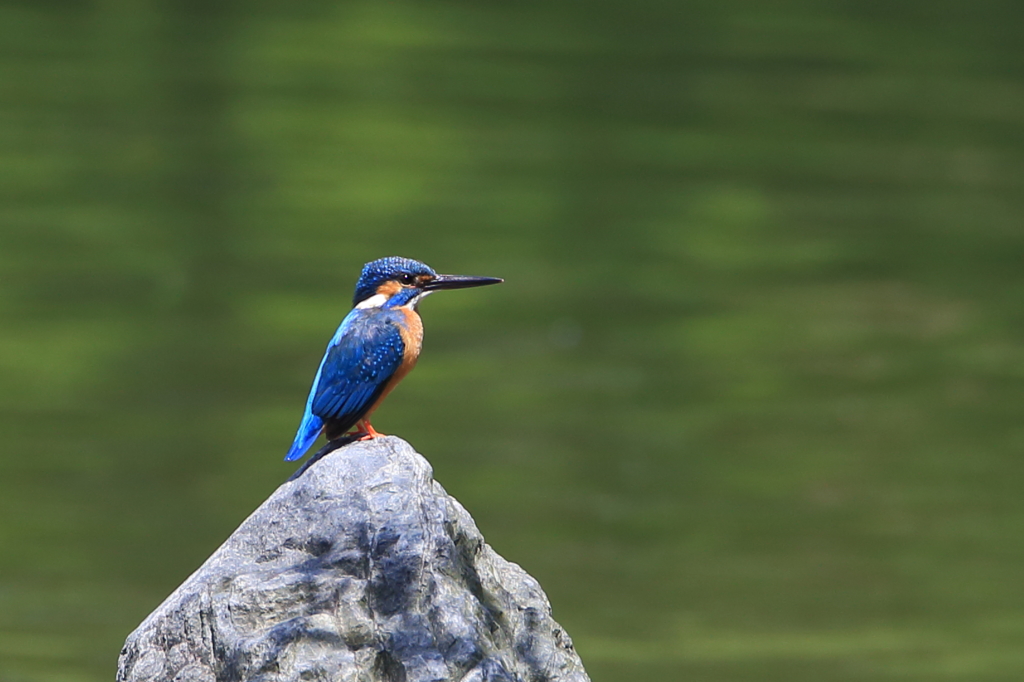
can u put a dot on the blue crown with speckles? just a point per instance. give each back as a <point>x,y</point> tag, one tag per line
<point>381,270</point>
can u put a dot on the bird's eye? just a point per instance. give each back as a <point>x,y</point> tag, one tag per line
<point>407,279</point>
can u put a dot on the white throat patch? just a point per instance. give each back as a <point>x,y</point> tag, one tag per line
<point>375,301</point>
<point>415,303</point>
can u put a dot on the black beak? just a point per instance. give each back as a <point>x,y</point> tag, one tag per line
<point>458,282</point>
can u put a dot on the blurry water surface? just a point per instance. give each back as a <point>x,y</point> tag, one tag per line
<point>748,405</point>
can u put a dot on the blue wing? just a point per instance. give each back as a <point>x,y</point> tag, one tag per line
<point>364,354</point>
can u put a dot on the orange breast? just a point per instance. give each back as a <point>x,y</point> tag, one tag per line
<point>412,339</point>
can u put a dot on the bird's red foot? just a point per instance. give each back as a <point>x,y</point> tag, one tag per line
<point>366,431</point>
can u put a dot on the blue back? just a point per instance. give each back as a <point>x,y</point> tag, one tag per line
<point>363,355</point>
<point>356,369</point>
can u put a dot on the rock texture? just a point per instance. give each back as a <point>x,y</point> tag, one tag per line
<point>362,569</point>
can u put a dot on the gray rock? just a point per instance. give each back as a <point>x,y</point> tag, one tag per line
<point>361,570</point>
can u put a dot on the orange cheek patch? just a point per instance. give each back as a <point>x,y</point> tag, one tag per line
<point>389,289</point>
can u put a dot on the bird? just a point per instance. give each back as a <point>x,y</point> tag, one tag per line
<point>372,350</point>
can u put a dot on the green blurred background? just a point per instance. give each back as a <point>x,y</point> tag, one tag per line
<point>748,405</point>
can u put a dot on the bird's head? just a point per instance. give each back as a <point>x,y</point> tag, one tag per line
<point>393,282</point>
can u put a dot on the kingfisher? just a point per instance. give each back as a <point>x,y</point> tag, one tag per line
<point>374,347</point>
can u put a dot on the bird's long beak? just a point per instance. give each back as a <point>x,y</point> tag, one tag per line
<point>459,282</point>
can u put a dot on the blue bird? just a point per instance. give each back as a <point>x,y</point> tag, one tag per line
<point>375,346</point>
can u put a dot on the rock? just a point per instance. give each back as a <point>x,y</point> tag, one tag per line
<point>361,569</point>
